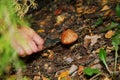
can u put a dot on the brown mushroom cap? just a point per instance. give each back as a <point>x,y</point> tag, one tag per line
<point>68,36</point>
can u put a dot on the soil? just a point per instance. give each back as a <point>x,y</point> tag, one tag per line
<point>86,18</point>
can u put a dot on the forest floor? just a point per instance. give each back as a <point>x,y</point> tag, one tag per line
<point>94,21</point>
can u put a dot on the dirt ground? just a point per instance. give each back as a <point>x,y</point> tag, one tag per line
<point>89,19</point>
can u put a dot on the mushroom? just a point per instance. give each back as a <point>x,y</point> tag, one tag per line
<point>68,36</point>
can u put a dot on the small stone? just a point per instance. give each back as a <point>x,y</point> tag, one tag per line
<point>69,60</point>
<point>46,66</point>
<point>98,66</point>
<point>72,69</point>
<point>49,70</point>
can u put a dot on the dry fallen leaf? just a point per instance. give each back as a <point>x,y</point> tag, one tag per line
<point>64,75</point>
<point>90,40</point>
<point>42,23</point>
<point>79,9</point>
<point>109,49</point>
<point>45,55</point>
<point>117,19</point>
<point>40,30</point>
<point>109,13</point>
<point>86,42</point>
<point>60,19</point>
<point>106,7</point>
<point>109,34</point>
<point>104,2</point>
<point>90,10</point>
<point>106,78</point>
<point>44,78</point>
<point>79,3</point>
<point>80,70</point>
<point>57,11</point>
<point>96,51</point>
<point>51,54</point>
<point>68,36</point>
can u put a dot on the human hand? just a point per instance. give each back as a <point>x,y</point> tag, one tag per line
<point>26,41</point>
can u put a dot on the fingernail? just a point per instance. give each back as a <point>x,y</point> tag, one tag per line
<point>40,47</point>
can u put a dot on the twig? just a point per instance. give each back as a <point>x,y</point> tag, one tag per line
<point>95,76</point>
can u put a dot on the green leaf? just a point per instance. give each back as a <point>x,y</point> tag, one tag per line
<point>116,39</point>
<point>102,55</point>
<point>98,22</point>
<point>118,10</point>
<point>90,71</point>
<point>111,26</point>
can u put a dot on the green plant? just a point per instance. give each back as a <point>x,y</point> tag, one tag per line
<point>98,22</point>
<point>22,7</point>
<point>118,10</point>
<point>116,38</point>
<point>111,26</point>
<point>91,71</point>
<point>102,55</point>
<point>116,43</point>
<point>9,20</point>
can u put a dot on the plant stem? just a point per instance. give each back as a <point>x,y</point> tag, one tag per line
<point>116,56</point>
<point>107,68</point>
<point>95,76</point>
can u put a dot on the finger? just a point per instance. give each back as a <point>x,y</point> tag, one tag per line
<point>21,52</point>
<point>24,43</point>
<point>40,47</point>
<point>33,46</point>
<point>31,33</point>
<point>18,48</point>
<point>38,40</point>
<point>27,48</point>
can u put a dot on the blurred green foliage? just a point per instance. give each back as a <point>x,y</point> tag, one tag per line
<point>11,15</point>
<point>118,10</point>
